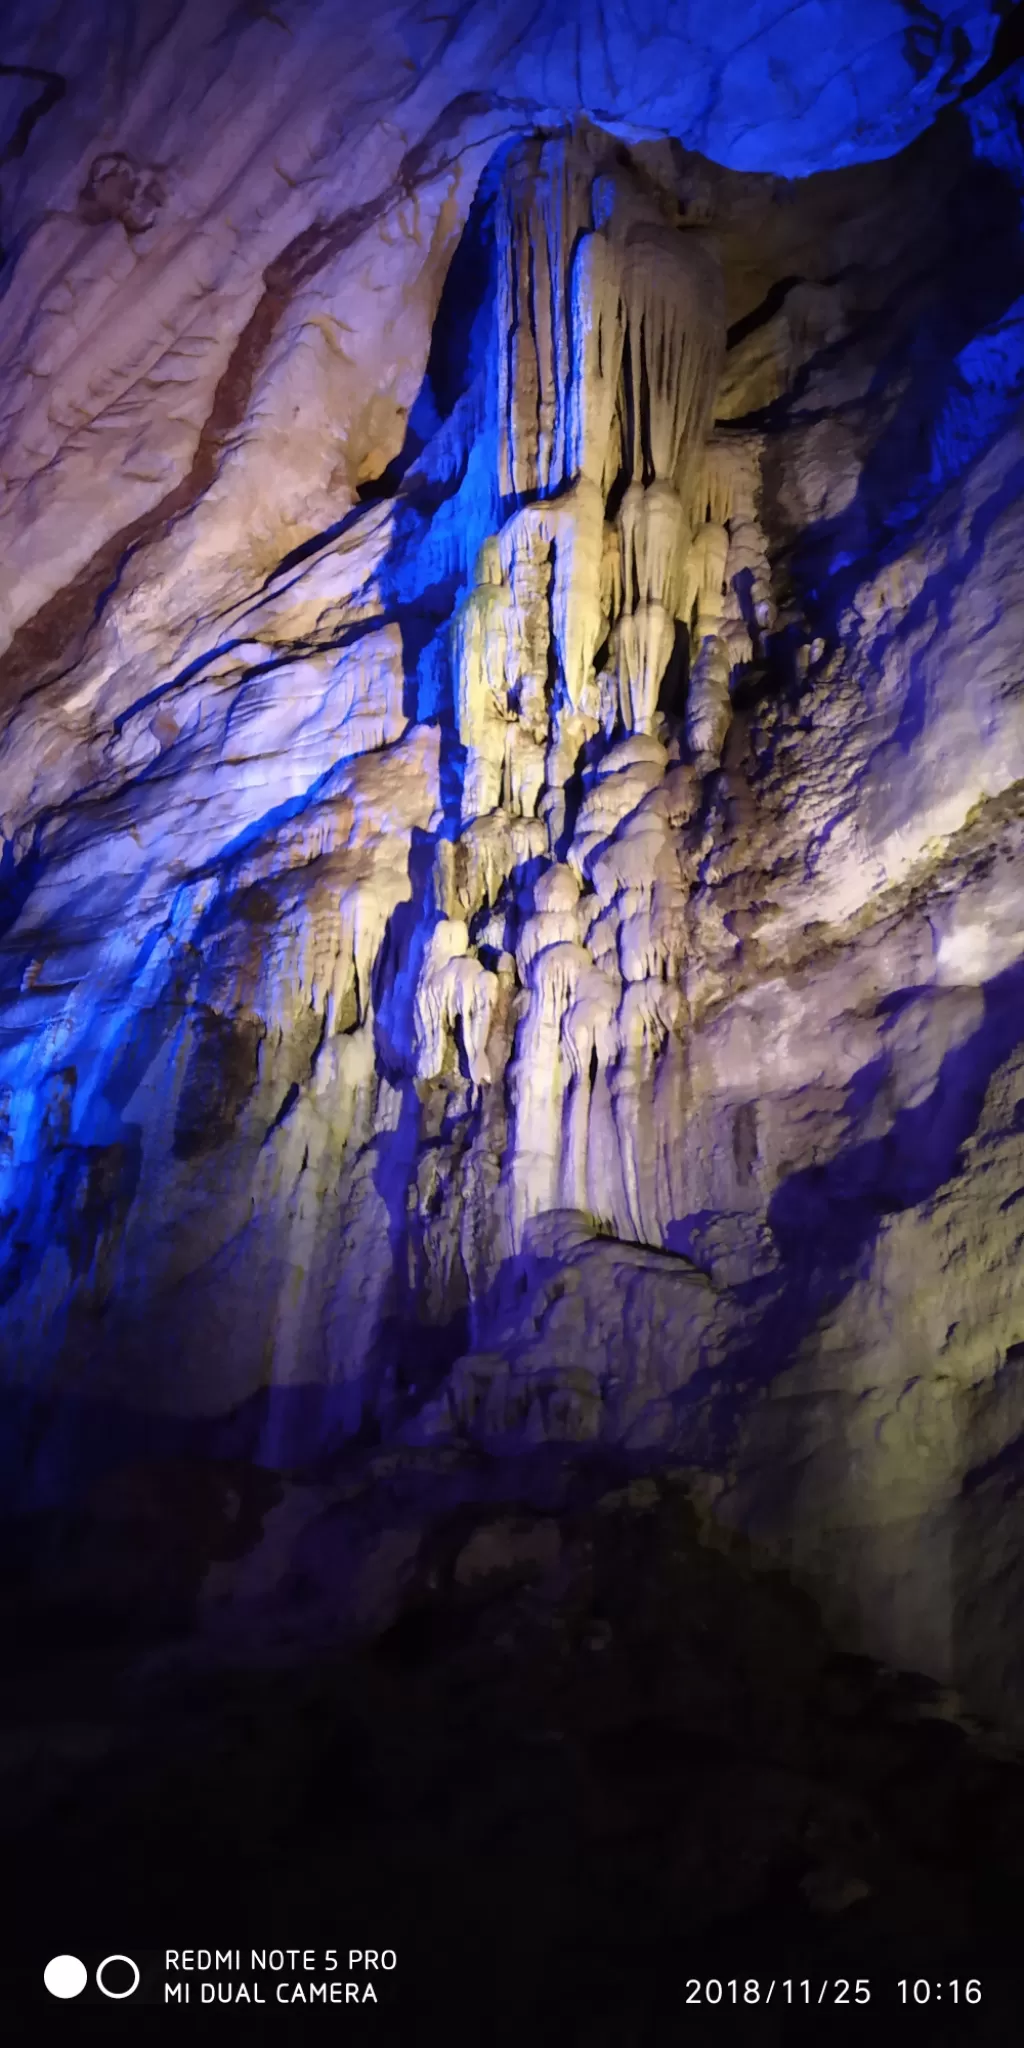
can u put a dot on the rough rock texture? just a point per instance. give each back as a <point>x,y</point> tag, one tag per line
<point>511,767</point>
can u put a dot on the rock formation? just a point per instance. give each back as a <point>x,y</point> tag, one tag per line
<point>612,563</point>
<point>510,774</point>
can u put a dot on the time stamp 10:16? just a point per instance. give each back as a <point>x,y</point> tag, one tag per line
<point>830,1991</point>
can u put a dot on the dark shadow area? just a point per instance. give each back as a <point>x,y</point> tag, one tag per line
<point>676,680</point>
<point>80,1198</point>
<point>17,881</point>
<point>774,299</point>
<point>57,1447</point>
<point>53,87</point>
<point>1007,50</point>
<point>581,1775</point>
<point>945,414</point>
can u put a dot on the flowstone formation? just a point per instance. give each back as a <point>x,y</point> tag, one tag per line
<point>629,578</point>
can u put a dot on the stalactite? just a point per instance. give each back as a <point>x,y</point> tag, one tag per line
<point>655,545</point>
<point>609,343</point>
<point>612,586</point>
<point>454,988</point>
<point>649,1013</point>
<point>480,641</point>
<point>646,641</point>
<point>710,554</point>
<point>545,929</point>
<point>543,210</point>
<point>598,332</point>
<point>625,778</point>
<point>708,709</point>
<point>557,890</point>
<point>725,499</point>
<point>448,941</point>
<point>589,1034</point>
<point>526,557</point>
<point>577,622</point>
<point>672,290</point>
<point>470,872</point>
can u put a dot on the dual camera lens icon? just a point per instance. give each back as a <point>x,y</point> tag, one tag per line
<point>66,1976</point>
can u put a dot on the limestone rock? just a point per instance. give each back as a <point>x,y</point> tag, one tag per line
<point>510,768</point>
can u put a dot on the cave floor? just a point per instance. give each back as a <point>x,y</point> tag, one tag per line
<point>591,1760</point>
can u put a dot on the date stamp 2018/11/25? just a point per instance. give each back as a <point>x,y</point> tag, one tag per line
<point>826,1991</point>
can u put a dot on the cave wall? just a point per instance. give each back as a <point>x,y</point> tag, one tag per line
<point>510,766</point>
